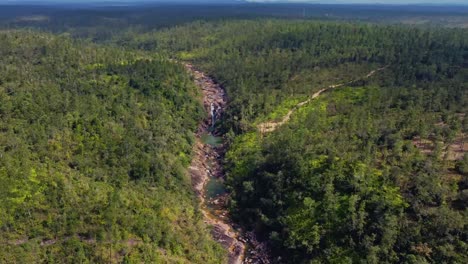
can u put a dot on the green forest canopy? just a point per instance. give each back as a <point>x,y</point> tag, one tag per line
<point>343,182</point>
<point>95,143</point>
<point>101,135</point>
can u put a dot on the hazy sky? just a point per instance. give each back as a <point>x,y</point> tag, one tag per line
<point>373,1</point>
<point>266,1</point>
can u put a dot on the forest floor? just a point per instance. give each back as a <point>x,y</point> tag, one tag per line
<point>206,165</point>
<point>458,148</point>
<point>271,126</point>
<point>452,151</point>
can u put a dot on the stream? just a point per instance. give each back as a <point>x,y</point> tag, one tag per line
<point>207,174</point>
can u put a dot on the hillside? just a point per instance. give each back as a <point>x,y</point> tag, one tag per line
<point>95,146</point>
<point>345,179</point>
<point>221,134</point>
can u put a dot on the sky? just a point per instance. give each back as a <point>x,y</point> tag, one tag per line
<point>264,1</point>
<point>372,1</point>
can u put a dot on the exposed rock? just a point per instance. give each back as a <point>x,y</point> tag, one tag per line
<point>206,163</point>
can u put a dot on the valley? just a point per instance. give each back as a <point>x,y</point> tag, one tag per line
<point>262,133</point>
<point>207,169</point>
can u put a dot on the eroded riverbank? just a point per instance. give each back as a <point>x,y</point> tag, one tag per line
<point>207,165</point>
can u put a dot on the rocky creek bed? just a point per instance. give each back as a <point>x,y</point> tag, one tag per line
<point>207,175</point>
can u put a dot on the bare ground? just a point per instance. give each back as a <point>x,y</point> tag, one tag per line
<point>453,151</point>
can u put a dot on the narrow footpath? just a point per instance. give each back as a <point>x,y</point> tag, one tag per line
<point>271,126</point>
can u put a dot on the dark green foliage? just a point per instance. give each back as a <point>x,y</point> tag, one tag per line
<point>95,140</point>
<point>95,143</point>
<point>343,181</point>
<point>462,165</point>
<point>263,63</point>
<point>105,22</point>
<point>348,185</point>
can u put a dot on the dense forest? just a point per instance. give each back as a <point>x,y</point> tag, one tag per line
<point>277,60</point>
<point>97,123</point>
<point>103,22</point>
<point>95,143</point>
<point>365,173</point>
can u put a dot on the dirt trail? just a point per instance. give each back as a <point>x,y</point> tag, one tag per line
<point>268,127</point>
<point>207,163</point>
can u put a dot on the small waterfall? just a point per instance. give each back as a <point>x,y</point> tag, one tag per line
<point>213,116</point>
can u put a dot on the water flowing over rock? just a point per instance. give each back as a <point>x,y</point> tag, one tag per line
<point>207,163</point>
